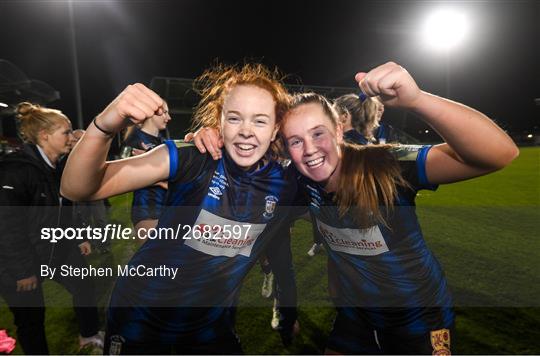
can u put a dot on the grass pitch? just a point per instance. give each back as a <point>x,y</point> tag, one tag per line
<point>484,232</point>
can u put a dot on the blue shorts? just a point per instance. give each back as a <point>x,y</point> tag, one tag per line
<point>354,334</point>
<point>218,337</point>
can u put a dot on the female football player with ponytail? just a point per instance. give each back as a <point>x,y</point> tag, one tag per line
<point>390,291</point>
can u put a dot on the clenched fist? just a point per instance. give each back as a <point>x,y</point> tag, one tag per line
<point>136,103</point>
<point>392,83</point>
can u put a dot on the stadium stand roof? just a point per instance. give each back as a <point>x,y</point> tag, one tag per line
<point>15,87</point>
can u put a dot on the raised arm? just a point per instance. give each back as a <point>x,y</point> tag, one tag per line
<point>88,176</point>
<point>474,146</point>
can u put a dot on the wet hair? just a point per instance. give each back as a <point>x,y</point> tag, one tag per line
<point>369,175</point>
<point>34,118</point>
<point>363,113</point>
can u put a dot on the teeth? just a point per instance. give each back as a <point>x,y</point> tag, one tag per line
<point>315,162</point>
<point>245,147</point>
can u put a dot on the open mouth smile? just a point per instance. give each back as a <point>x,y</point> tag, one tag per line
<point>315,163</point>
<point>245,148</point>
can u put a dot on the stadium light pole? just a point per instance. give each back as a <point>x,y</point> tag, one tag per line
<point>443,31</point>
<point>75,65</point>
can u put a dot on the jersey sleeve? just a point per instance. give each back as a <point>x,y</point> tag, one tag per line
<point>185,162</point>
<point>412,159</point>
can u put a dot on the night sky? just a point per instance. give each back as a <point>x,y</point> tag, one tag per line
<point>495,70</point>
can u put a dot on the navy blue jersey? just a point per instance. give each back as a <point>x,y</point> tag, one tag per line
<point>381,133</point>
<point>351,136</point>
<point>386,272</point>
<point>206,198</point>
<point>141,140</point>
<point>385,134</point>
<point>354,136</point>
<point>147,202</point>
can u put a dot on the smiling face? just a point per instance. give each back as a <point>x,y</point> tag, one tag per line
<point>248,124</point>
<point>313,143</point>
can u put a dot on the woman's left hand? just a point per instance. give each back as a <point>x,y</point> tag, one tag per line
<point>392,83</point>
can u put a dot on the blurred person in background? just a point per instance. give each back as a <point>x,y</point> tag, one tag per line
<point>90,213</point>
<point>148,203</point>
<point>361,119</point>
<point>29,201</point>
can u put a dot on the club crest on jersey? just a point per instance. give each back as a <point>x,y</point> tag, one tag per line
<point>116,345</point>
<point>270,206</point>
<point>440,340</point>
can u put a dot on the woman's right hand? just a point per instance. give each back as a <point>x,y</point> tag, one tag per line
<point>88,175</point>
<point>392,83</point>
<point>136,103</point>
<point>27,284</point>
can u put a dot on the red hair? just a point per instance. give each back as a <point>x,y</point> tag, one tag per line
<point>215,83</point>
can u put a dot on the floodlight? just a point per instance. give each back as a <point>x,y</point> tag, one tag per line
<point>444,29</point>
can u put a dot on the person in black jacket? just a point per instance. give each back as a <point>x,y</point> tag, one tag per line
<point>30,200</point>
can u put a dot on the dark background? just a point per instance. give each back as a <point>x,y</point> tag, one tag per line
<point>318,43</point>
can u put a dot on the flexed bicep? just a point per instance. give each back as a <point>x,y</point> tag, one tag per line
<point>134,173</point>
<point>87,175</point>
<point>443,166</point>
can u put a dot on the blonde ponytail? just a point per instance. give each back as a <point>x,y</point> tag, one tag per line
<point>33,119</point>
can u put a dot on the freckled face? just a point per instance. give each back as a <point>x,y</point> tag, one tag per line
<point>248,124</point>
<point>313,142</point>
